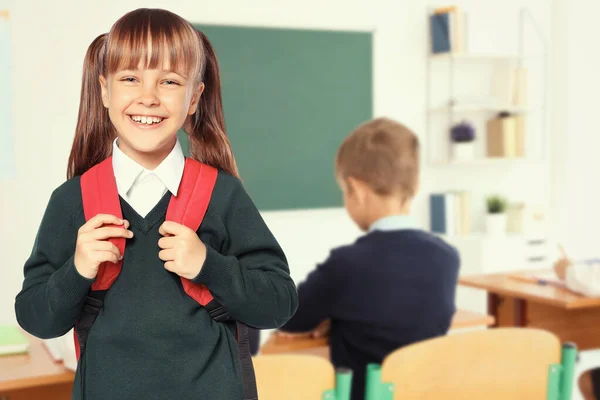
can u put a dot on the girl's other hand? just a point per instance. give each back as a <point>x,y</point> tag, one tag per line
<point>93,247</point>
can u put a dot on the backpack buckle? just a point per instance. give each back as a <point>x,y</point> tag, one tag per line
<point>92,305</point>
<point>218,313</point>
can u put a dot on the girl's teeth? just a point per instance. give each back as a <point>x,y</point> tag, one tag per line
<point>146,120</point>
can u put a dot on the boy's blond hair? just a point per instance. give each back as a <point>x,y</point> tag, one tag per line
<point>384,154</point>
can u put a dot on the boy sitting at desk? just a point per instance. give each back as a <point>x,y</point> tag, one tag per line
<point>396,284</point>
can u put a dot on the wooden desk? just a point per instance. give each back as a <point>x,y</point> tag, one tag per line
<point>34,376</point>
<point>513,302</point>
<point>467,319</point>
<point>306,345</point>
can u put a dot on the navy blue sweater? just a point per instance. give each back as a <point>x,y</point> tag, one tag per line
<point>387,290</point>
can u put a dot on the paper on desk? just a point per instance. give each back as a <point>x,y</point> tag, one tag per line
<point>69,355</point>
<point>549,277</point>
<point>63,349</point>
<point>55,348</point>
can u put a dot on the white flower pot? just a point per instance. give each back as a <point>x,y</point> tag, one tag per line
<point>495,224</point>
<point>463,151</point>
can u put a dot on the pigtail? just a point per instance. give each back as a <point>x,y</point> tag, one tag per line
<point>206,128</point>
<point>94,132</point>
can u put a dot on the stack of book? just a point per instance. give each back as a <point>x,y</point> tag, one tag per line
<point>450,213</point>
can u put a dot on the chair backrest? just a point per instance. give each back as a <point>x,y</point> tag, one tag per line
<point>496,364</point>
<point>293,377</point>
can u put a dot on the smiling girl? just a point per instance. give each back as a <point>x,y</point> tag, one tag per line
<point>150,76</point>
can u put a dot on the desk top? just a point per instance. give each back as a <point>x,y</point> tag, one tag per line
<point>306,344</point>
<point>506,285</point>
<point>36,368</point>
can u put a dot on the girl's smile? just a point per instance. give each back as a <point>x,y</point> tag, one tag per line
<point>147,121</point>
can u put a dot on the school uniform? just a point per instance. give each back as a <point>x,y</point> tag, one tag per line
<point>151,340</point>
<point>394,286</point>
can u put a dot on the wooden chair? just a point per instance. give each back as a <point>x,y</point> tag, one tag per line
<point>300,377</point>
<point>497,364</point>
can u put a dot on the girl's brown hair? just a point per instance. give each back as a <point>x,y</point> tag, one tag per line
<point>150,35</point>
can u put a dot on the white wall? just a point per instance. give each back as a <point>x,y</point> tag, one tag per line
<point>577,140</point>
<point>50,39</point>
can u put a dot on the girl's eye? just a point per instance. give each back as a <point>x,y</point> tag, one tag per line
<point>128,79</point>
<point>171,82</point>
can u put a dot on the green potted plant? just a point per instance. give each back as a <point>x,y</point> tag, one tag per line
<point>495,219</point>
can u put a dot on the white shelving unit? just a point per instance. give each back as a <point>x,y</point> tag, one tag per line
<point>480,252</point>
<point>455,109</point>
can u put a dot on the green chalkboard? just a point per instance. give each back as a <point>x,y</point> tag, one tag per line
<point>290,97</point>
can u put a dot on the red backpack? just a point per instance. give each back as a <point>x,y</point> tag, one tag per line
<point>100,196</point>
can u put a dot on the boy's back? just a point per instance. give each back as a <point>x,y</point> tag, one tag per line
<point>396,284</point>
<point>395,288</point>
<point>389,289</point>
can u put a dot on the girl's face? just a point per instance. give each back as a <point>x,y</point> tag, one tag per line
<point>147,107</point>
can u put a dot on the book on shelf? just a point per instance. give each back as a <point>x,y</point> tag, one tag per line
<point>509,86</point>
<point>450,213</point>
<point>12,340</point>
<point>506,136</point>
<point>447,30</point>
<point>519,81</point>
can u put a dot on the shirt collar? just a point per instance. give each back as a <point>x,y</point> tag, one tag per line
<point>393,223</point>
<point>169,171</point>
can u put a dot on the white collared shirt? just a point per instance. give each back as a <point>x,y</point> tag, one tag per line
<point>393,223</point>
<point>143,188</point>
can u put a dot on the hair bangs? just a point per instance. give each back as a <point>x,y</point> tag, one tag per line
<point>152,38</point>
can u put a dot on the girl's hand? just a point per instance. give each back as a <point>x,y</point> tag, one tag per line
<point>93,247</point>
<point>182,250</point>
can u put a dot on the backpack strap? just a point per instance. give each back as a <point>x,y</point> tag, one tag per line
<point>99,195</point>
<point>189,208</point>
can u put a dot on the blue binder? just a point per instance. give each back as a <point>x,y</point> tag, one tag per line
<point>440,33</point>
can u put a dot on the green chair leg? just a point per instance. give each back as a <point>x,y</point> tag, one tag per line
<point>343,383</point>
<point>375,389</point>
<point>554,374</point>
<point>343,386</point>
<point>568,360</point>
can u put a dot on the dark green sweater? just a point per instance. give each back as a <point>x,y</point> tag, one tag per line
<point>151,340</point>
